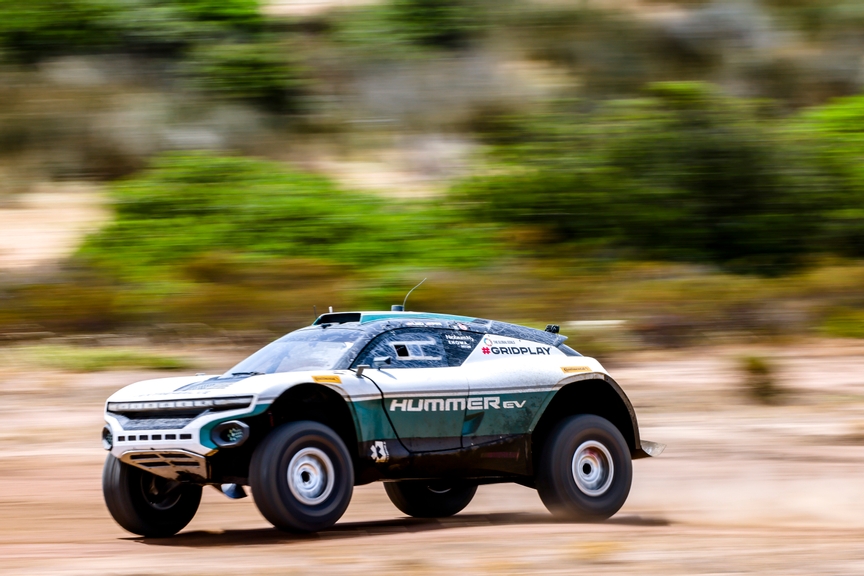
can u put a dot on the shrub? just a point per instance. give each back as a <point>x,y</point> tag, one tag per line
<point>38,28</point>
<point>759,381</point>
<point>415,26</point>
<point>437,23</point>
<point>683,174</point>
<point>224,43</point>
<point>186,206</point>
<point>260,73</point>
<point>844,323</point>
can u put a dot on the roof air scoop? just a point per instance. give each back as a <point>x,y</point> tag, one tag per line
<point>397,308</point>
<point>338,318</point>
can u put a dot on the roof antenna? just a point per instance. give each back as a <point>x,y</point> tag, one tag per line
<point>397,308</point>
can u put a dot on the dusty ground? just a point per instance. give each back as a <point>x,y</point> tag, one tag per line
<point>741,489</point>
<point>43,226</point>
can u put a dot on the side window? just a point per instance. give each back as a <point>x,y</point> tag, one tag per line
<point>406,348</point>
<point>458,345</point>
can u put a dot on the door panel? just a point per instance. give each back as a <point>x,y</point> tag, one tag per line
<point>425,405</point>
<point>506,389</point>
<point>424,397</point>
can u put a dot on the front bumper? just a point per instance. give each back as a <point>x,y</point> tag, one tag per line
<point>172,464</point>
<point>175,453</point>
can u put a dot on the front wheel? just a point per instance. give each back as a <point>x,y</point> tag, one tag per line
<point>429,499</point>
<point>585,470</point>
<point>302,477</point>
<point>146,504</point>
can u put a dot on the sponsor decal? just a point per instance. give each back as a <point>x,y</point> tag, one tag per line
<point>458,337</point>
<point>517,350</point>
<point>514,404</point>
<point>461,326</point>
<point>459,340</point>
<point>379,451</point>
<point>453,404</point>
<point>329,379</point>
<point>412,323</point>
<point>571,369</point>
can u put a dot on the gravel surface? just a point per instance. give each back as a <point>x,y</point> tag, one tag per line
<point>742,488</point>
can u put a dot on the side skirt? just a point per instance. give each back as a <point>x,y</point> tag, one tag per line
<point>506,458</point>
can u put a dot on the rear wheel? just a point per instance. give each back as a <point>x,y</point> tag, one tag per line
<point>429,499</point>
<point>302,477</point>
<point>146,504</point>
<point>585,470</point>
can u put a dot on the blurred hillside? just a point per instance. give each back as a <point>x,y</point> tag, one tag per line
<point>695,169</point>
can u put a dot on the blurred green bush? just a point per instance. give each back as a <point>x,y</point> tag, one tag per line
<point>225,45</point>
<point>760,380</point>
<point>186,206</point>
<point>80,359</point>
<point>260,73</point>
<point>844,322</point>
<point>39,28</point>
<point>685,173</point>
<point>414,26</point>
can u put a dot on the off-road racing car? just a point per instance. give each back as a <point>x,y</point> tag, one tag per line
<point>433,405</point>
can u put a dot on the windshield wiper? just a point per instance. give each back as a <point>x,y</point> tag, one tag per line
<point>247,373</point>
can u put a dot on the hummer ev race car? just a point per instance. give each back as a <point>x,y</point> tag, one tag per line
<point>433,405</point>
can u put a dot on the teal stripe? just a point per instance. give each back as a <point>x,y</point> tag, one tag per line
<point>374,317</point>
<point>371,421</point>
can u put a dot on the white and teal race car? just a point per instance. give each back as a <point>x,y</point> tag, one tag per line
<point>433,405</point>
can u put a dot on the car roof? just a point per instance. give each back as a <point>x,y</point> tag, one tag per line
<point>366,317</point>
<point>376,322</point>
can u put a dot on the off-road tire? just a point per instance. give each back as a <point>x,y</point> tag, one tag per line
<point>302,477</point>
<point>589,496</point>
<point>425,499</point>
<point>146,504</point>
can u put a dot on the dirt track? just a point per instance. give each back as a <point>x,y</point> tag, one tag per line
<point>741,488</point>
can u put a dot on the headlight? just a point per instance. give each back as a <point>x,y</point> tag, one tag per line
<point>180,405</point>
<point>230,434</point>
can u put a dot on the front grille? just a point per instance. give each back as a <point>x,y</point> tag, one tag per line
<point>145,437</point>
<point>171,414</point>
<point>152,421</point>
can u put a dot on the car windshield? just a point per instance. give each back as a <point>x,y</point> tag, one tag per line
<point>302,350</point>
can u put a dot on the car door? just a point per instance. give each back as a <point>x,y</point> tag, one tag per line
<point>424,397</point>
<point>509,380</point>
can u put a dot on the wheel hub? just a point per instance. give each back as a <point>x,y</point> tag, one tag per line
<point>592,468</point>
<point>311,476</point>
<point>160,493</point>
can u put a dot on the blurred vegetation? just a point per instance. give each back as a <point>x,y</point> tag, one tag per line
<point>844,323</point>
<point>697,171</point>
<point>414,24</point>
<point>39,28</point>
<point>80,359</point>
<point>685,173</point>
<point>225,45</point>
<point>759,380</point>
<point>187,208</point>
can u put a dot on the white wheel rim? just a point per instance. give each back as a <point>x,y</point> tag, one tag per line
<point>310,476</point>
<point>593,469</point>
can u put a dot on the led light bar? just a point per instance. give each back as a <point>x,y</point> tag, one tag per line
<point>213,403</point>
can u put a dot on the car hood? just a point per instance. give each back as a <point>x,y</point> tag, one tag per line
<point>264,387</point>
